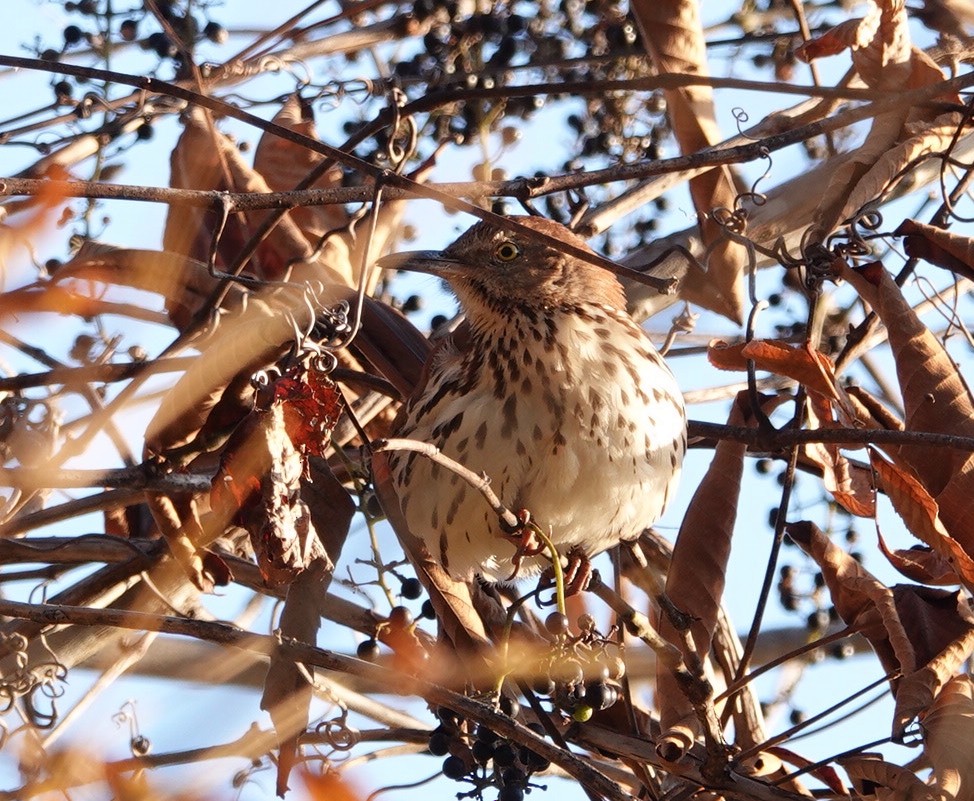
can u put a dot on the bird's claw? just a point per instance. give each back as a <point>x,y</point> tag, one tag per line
<point>525,540</point>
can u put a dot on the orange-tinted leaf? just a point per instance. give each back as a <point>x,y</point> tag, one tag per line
<point>935,396</point>
<point>920,513</point>
<point>329,786</point>
<point>824,773</point>
<point>801,362</point>
<point>311,406</point>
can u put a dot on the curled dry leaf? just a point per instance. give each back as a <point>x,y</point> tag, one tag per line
<point>695,579</point>
<point>921,515</point>
<point>861,600</point>
<point>944,249</point>
<point>870,772</point>
<point>948,732</point>
<point>924,634</point>
<point>284,165</point>
<point>920,563</point>
<point>259,485</point>
<point>936,399</point>
<point>885,59</point>
<point>918,690</point>
<point>674,38</point>
<point>879,44</point>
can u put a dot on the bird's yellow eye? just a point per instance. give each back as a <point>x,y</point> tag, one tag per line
<point>507,251</point>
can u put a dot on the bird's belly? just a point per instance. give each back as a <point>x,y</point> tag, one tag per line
<point>592,461</point>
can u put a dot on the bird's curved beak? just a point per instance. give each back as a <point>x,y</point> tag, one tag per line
<point>434,262</point>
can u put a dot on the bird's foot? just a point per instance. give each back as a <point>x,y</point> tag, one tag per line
<point>578,572</point>
<point>526,541</point>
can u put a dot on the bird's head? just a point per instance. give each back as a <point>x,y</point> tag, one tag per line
<point>496,270</point>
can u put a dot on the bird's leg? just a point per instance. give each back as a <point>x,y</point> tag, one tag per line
<point>578,572</point>
<point>526,541</point>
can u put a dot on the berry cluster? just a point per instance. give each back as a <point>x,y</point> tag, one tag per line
<point>581,673</point>
<point>479,756</point>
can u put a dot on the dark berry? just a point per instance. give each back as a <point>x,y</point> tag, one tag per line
<point>482,752</point>
<point>50,54</point>
<point>161,44</point>
<point>454,768</point>
<point>428,611</point>
<point>843,650</point>
<point>128,30</point>
<point>543,685</point>
<point>72,35</point>
<point>557,623</point>
<point>601,695</point>
<point>818,620</point>
<point>448,717</point>
<point>514,776</point>
<point>763,466</point>
<point>796,717</point>
<point>505,755</point>
<point>216,33</point>
<point>819,580</point>
<point>63,91</point>
<point>412,304</point>
<point>486,735</point>
<point>144,132</point>
<point>509,706</point>
<point>440,741</point>
<point>532,760</point>
<point>511,792</point>
<point>411,588</point>
<point>400,617</point>
<point>140,745</point>
<point>368,650</point>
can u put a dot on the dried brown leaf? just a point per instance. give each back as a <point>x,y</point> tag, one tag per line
<point>917,691</point>
<point>284,165</point>
<point>873,771</point>
<point>920,563</point>
<point>921,515</point>
<point>204,158</point>
<point>861,600</point>
<point>935,396</point>
<point>288,687</point>
<point>674,38</point>
<point>695,579</point>
<point>801,362</point>
<point>940,247</point>
<point>948,733</point>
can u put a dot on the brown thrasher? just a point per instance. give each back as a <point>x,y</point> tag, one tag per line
<point>552,391</point>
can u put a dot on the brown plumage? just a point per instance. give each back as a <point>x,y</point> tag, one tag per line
<point>550,389</point>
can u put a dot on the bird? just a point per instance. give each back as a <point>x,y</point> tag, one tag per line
<point>550,390</point>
